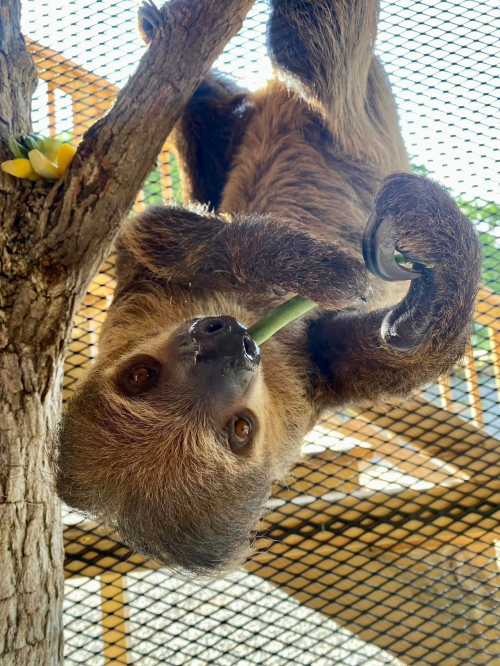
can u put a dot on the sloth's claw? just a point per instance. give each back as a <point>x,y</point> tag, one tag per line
<point>379,248</point>
<point>149,20</point>
<point>404,329</point>
<point>406,326</point>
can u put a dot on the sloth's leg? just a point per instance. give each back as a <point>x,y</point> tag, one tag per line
<point>392,351</point>
<point>327,45</point>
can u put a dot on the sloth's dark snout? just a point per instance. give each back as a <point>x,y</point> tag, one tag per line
<point>224,340</point>
<point>226,360</point>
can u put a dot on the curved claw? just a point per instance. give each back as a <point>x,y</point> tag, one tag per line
<point>149,20</point>
<point>407,325</point>
<point>402,334</point>
<point>379,245</point>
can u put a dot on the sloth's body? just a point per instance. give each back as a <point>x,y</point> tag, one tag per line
<point>179,430</point>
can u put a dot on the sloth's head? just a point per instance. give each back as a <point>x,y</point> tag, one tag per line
<point>176,436</point>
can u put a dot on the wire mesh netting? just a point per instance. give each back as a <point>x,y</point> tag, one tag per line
<point>380,548</point>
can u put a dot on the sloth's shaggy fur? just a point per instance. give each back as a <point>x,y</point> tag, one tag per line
<point>289,175</point>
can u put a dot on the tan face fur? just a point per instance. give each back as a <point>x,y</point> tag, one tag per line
<point>159,466</point>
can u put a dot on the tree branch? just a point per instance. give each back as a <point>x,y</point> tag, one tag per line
<point>52,240</point>
<point>17,74</point>
<point>82,214</point>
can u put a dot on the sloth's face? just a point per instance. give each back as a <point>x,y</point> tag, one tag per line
<point>177,440</point>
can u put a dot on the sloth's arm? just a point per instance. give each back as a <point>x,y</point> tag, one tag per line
<point>207,137</point>
<point>209,131</point>
<point>393,351</point>
<point>249,254</point>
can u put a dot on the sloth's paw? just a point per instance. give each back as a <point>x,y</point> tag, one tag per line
<point>417,233</point>
<point>149,20</point>
<point>416,225</point>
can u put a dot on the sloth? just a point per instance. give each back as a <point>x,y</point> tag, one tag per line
<point>182,424</point>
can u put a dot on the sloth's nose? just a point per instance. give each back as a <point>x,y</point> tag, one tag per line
<point>224,338</point>
<point>212,326</point>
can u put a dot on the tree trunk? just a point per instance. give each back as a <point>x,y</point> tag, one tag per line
<point>31,553</point>
<point>31,358</point>
<point>53,237</point>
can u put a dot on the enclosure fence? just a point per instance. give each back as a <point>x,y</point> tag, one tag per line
<point>380,547</point>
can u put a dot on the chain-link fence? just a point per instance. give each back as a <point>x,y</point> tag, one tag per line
<point>377,550</point>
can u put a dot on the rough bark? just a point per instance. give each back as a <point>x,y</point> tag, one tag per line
<point>17,74</point>
<point>53,238</point>
<point>119,150</point>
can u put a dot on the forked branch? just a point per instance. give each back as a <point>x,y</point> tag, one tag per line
<point>83,212</point>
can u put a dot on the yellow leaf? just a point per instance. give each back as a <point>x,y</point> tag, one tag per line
<point>42,165</point>
<point>21,168</point>
<point>65,156</point>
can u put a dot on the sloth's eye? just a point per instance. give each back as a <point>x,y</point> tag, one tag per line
<point>140,376</point>
<point>240,429</point>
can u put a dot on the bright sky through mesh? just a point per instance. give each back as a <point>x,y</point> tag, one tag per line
<point>445,85</point>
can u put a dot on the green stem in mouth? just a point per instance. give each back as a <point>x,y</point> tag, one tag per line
<point>280,317</point>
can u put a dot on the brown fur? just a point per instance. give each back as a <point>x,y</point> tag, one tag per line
<point>291,174</point>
